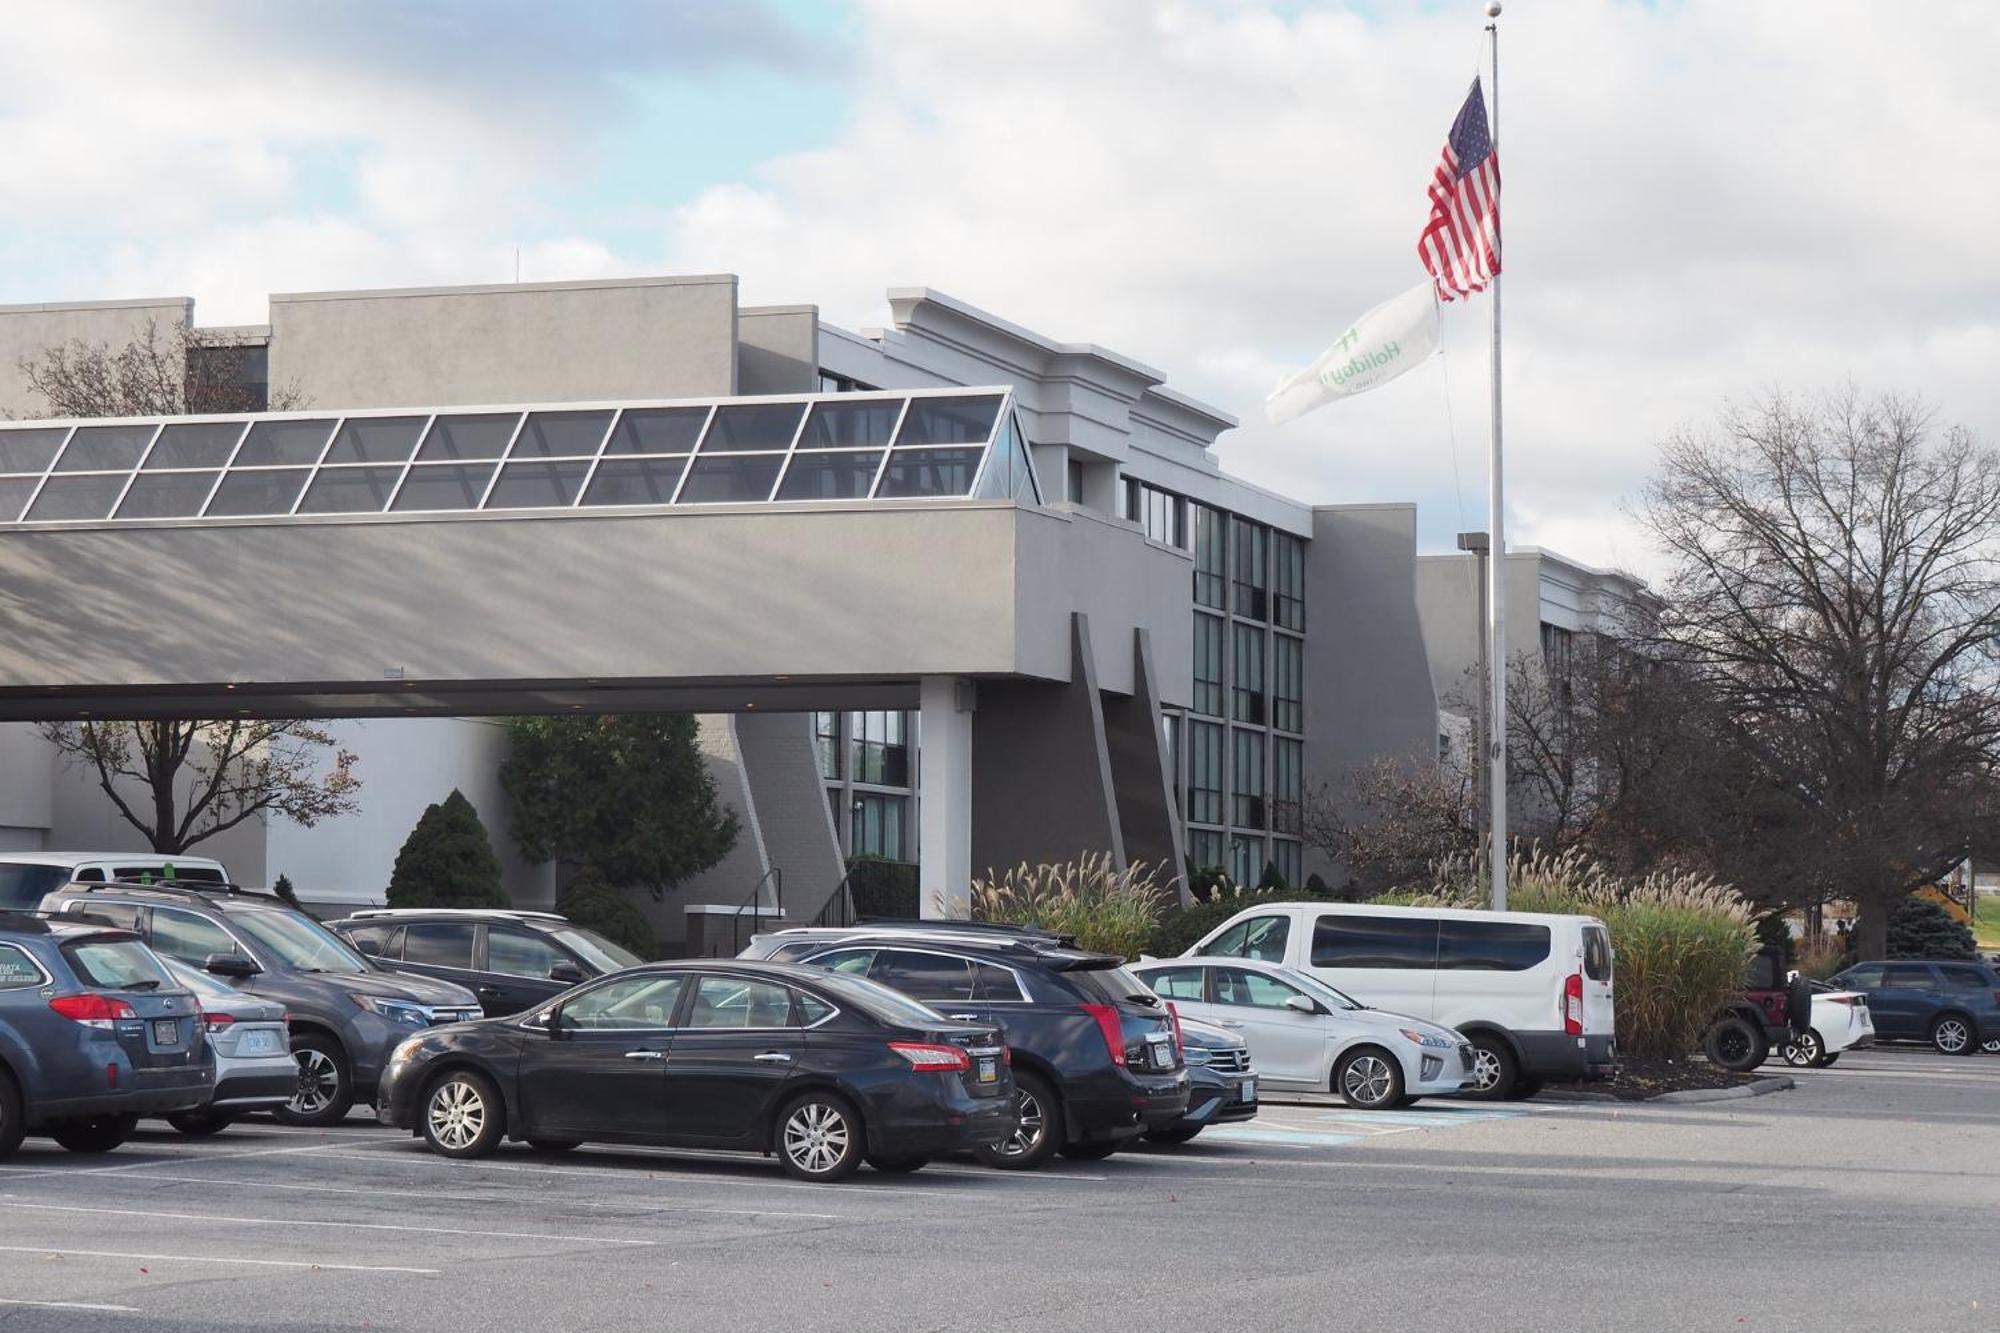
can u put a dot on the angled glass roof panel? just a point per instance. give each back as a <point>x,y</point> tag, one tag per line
<point>289,442</point>
<point>248,494</point>
<point>831,476</point>
<point>723,479</point>
<point>534,484</point>
<point>105,448</point>
<point>954,420</point>
<point>561,435</point>
<point>351,490</point>
<point>194,444</point>
<point>85,495</point>
<point>914,473</point>
<point>857,425</point>
<point>443,486</point>
<point>635,481</point>
<point>657,430</point>
<point>375,440</point>
<point>1010,469</point>
<point>30,450</point>
<point>741,426</point>
<point>467,435</point>
<point>14,493</point>
<point>167,494</point>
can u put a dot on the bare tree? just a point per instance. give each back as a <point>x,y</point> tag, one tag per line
<point>172,372</point>
<point>1834,597</point>
<point>1389,822</point>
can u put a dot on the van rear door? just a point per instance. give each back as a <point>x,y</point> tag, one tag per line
<point>1599,1014</point>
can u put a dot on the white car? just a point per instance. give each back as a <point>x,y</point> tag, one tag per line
<point>1840,1022</point>
<point>254,1066</point>
<point>1306,1036</point>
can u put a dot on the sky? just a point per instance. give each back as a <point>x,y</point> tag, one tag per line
<point>1704,201</point>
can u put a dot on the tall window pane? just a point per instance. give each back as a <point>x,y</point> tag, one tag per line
<point>1246,805</point>
<point>1208,664</point>
<point>1204,742</point>
<point>1288,683</point>
<point>1248,688</point>
<point>1210,545</point>
<point>1287,783</point>
<point>1252,586</point>
<point>826,743</point>
<point>1288,556</point>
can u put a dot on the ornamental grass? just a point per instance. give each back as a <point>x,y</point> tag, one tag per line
<point>1108,910</point>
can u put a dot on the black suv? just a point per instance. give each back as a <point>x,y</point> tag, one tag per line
<point>513,960</point>
<point>1097,1060</point>
<point>346,1014</point>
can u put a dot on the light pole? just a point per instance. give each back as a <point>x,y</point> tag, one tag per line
<point>1476,542</point>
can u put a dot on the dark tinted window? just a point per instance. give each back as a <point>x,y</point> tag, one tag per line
<point>926,976</point>
<point>118,914</point>
<point>995,983</point>
<point>1491,946</point>
<point>440,944</point>
<point>1596,953</point>
<point>1374,941</point>
<point>1111,985</point>
<point>22,887</point>
<point>1965,978</point>
<point>1912,975</point>
<point>371,940</point>
<point>516,953</point>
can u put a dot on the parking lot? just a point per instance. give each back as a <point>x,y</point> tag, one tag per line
<point>1790,1211</point>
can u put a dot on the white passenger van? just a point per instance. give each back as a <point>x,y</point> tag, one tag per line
<point>1530,991</point>
<point>25,877</point>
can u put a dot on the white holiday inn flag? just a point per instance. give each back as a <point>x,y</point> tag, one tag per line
<point>1390,339</point>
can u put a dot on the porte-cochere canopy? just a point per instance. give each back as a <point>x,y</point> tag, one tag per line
<point>931,444</point>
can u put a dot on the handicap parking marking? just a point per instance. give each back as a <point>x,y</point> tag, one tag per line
<point>1287,1138</point>
<point>1312,1127</point>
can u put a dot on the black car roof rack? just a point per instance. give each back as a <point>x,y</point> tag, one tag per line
<point>186,888</point>
<point>1002,929</point>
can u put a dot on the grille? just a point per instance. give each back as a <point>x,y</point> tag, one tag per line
<point>1465,1058</point>
<point>454,1015</point>
<point>1234,1060</point>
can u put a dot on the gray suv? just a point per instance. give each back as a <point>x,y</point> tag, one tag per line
<point>346,1013</point>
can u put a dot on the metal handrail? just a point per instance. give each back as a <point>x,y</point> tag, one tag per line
<point>775,876</point>
<point>839,908</point>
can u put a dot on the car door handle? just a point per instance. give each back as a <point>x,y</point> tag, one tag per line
<point>773,1058</point>
<point>645,1055</point>
<point>963,1018</point>
<point>1226,1023</point>
<point>489,990</point>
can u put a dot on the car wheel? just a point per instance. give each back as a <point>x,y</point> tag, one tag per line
<point>898,1166</point>
<point>462,1115</point>
<point>1805,1051</point>
<point>1991,1046</point>
<point>1369,1079</point>
<point>200,1124</point>
<point>1095,1150</point>
<point>554,1145</point>
<point>820,1137</point>
<point>97,1134</point>
<point>1494,1069</point>
<point>1172,1136</point>
<point>326,1088</point>
<point>13,1119</point>
<point>1733,1044</point>
<point>1039,1134</point>
<point>1952,1035</point>
<point>1829,1061</point>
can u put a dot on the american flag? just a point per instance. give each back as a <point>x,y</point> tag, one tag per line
<point>1460,245</point>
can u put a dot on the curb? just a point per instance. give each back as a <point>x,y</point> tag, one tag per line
<point>1760,1088</point>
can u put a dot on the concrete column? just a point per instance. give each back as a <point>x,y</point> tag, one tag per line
<point>944,796</point>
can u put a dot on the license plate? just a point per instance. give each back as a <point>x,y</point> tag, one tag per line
<point>1163,1056</point>
<point>1249,1089</point>
<point>989,1069</point>
<point>166,1032</point>
<point>260,1043</point>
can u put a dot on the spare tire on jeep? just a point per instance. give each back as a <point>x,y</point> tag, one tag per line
<point>1798,1004</point>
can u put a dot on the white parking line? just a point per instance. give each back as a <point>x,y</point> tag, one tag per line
<point>29,1172</point>
<point>14,1202</point>
<point>72,1305</point>
<point>64,1251</point>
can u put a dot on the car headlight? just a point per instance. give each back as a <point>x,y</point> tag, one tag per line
<point>1196,1055</point>
<point>1426,1039</point>
<point>395,1011</point>
<point>405,1050</point>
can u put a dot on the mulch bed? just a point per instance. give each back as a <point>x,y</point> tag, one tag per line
<point>1640,1079</point>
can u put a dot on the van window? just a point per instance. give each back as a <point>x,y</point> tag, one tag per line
<point>1597,953</point>
<point>1491,946</point>
<point>22,888</point>
<point>1261,937</point>
<point>1343,940</point>
<point>182,874</point>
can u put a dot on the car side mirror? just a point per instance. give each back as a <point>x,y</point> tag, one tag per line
<point>1303,1004</point>
<point>230,965</point>
<point>567,973</point>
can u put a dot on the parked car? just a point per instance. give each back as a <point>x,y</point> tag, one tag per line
<point>254,1069</point>
<point>1308,1037</point>
<point>346,1014</point>
<point>28,877</point>
<point>1773,1009</point>
<point>1952,1004</point>
<point>1840,1022</point>
<point>823,1070</point>
<point>1530,991</point>
<point>512,960</point>
<point>1096,1062</point>
<point>93,1035</point>
<point>1222,1084</point>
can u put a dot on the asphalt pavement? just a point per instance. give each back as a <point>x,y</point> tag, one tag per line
<point>1868,1198</point>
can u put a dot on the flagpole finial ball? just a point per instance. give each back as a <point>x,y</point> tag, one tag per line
<point>1493,9</point>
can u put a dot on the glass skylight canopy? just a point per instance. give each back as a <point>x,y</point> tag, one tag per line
<point>926,445</point>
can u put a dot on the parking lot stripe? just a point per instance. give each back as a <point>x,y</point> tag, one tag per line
<point>29,1172</point>
<point>1289,1138</point>
<point>15,1202</point>
<point>65,1251</point>
<point>72,1305</point>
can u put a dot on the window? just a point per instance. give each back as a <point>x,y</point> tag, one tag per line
<point>826,744</point>
<point>1160,513</point>
<point>1204,848</point>
<point>17,970</point>
<point>993,982</point>
<point>516,953</point>
<point>1261,937</point>
<point>1596,953</point>
<point>1205,776</point>
<point>188,937</point>
<point>1288,558</point>
<point>373,940</point>
<point>877,826</point>
<point>849,962</point>
<point>1251,583</point>
<point>117,965</point>
<point>1247,689</point>
<point>1210,556</point>
<point>1491,946</point>
<point>438,944</point>
<point>1289,858</point>
<point>1208,664</point>
<point>1254,990</point>
<point>122,915</point>
<point>1246,798</point>
<point>1073,479</point>
<point>1559,656</point>
<point>1288,682</point>
<point>1246,859</point>
<point>732,1002</point>
<point>879,743</point>
<point>632,1004</point>
<point>1343,940</point>
<point>1177,983</point>
<point>1911,976</point>
<point>1868,976</point>
<point>1287,782</point>
<point>1965,978</point>
<point>923,976</point>
<point>812,1009</point>
<point>832,383</point>
<point>22,887</point>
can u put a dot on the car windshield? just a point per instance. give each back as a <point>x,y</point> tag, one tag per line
<point>878,1001</point>
<point>594,949</point>
<point>300,944</point>
<point>1318,989</point>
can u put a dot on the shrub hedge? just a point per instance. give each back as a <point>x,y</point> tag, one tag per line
<point>591,901</point>
<point>881,888</point>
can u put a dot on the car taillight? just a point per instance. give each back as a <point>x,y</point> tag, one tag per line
<point>1114,1031</point>
<point>215,1022</point>
<point>96,1011</point>
<point>932,1059</point>
<point>1180,1043</point>
<point>1838,999</point>
<point>1573,1005</point>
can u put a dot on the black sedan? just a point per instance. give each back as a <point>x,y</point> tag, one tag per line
<point>825,1071</point>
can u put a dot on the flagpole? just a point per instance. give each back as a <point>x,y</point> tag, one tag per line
<point>1496,564</point>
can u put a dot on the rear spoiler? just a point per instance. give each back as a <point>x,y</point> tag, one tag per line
<point>1083,962</point>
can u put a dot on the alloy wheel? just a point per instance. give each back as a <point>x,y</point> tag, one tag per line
<point>319,1081</point>
<point>1367,1079</point>
<point>1027,1136</point>
<point>1991,1046</point>
<point>816,1137</point>
<point>1803,1050</point>
<point>457,1113</point>
<point>1485,1069</point>
<point>1951,1035</point>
